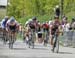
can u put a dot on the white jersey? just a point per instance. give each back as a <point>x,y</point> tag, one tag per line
<point>15,22</point>
<point>66,27</point>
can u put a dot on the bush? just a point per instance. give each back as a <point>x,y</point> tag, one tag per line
<point>40,18</point>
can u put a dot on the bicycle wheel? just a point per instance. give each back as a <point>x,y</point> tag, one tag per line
<point>11,41</point>
<point>33,41</point>
<point>56,45</point>
<point>45,39</point>
<point>4,37</point>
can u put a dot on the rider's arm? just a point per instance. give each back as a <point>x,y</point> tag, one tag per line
<point>7,27</point>
<point>17,26</point>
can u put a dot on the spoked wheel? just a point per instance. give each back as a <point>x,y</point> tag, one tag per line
<point>46,39</point>
<point>10,45</point>
<point>32,45</point>
<point>4,38</point>
<point>45,42</point>
<point>32,40</point>
<point>29,43</point>
<point>11,41</point>
<point>56,46</point>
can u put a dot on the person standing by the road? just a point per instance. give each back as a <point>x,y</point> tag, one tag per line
<point>57,11</point>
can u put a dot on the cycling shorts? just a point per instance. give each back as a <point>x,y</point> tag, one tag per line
<point>12,28</point>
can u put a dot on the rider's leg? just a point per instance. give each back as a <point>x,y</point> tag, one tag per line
<point>51,40</point>
<point>15,34</point>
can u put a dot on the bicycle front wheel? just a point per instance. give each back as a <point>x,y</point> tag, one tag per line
<point>11,41</point>
<point>56,45</point>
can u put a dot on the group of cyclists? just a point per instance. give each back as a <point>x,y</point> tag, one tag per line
<point>55,26</point>
<point>34,30</point>
<point>43,32</point>
<point>8,26</point>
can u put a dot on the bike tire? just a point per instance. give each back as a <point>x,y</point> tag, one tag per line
<point>11,41</point>
<point>56,45</point>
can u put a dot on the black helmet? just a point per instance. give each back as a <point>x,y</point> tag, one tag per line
<point>34,18</point>
<point>73,19</point>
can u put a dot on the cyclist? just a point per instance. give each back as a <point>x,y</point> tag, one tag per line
<point>54,28</point>
<point>72,25</point>
<point>27,31</point>
<point>33,24</point>
<point>12,26</point>
<point>39,32</point>
<point>3,26</point>
<point>64,20</point>
<point>3,22</point>
<point>46,31</point>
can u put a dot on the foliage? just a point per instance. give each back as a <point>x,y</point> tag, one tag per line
<point>25,9</point>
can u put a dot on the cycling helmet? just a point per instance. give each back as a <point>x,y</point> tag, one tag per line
<point>34,18</point>
<point>73,19</point>
<point>12,19</point>
<point>6,17</point>
<point>26,22</point>
<point>29,20</point>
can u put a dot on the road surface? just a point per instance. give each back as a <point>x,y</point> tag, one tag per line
<point>20,50</point>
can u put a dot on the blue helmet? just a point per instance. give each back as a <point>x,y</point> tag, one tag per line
<point>12,19</point>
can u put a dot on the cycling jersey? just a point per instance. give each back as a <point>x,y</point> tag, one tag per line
<point>55,27</point>
<point>3,23</point>
<point>33,24</point>
<point>12,27</point>
<point>46,26</point>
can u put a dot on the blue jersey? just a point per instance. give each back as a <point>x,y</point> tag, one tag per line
<point>3,23</point>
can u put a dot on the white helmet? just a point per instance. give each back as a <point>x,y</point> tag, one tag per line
<point>26,22</point>
<point>29,20</point>
<point>50,22</point>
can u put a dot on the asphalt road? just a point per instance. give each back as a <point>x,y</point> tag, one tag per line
<point>20,50</point>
